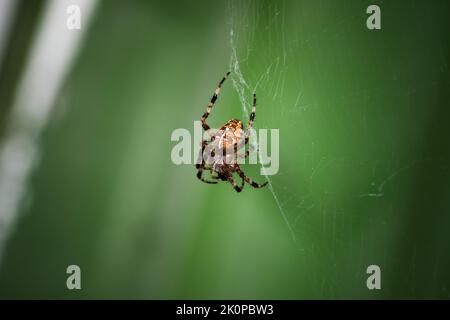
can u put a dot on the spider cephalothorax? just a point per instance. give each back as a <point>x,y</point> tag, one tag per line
<point>219,155</point>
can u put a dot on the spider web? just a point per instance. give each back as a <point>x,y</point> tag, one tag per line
<point>276,52</point>
<point>239,27</point>
<point>243,90</point>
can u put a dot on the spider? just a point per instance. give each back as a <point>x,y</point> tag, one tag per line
<point>227,137</point>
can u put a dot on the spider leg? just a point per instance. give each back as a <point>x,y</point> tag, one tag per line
<point>248,180</point>
<point>250,120</point>
<point>205,126</point>
<point>200,165</point>
<point>234,184</point>
<point>241,143</point>
<point>247,153</point>
<point>200,175</point>
<point>215,177</point>
<point>200,154</point>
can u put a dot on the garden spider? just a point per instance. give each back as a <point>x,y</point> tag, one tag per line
<point>229,136</point>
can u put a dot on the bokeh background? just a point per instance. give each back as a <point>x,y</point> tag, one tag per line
<point>86,176</point>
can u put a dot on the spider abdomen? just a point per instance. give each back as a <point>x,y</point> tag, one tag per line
<point>229,134</point>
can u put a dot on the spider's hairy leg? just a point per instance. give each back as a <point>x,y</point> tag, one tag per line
<point>234,184</point>
<point>250,181</point>
<point>244,156</point>
<point>237,147</point>
<point>200,165</point>
<point>200,175</point>
<point>248,130</point>
<point>250,120</point>
<point>214,175</point>
<point>200,154</point>
<point>205,126</point>
<point>247,152</point>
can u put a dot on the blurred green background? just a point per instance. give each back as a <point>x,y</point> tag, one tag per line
<point>364,153</point>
